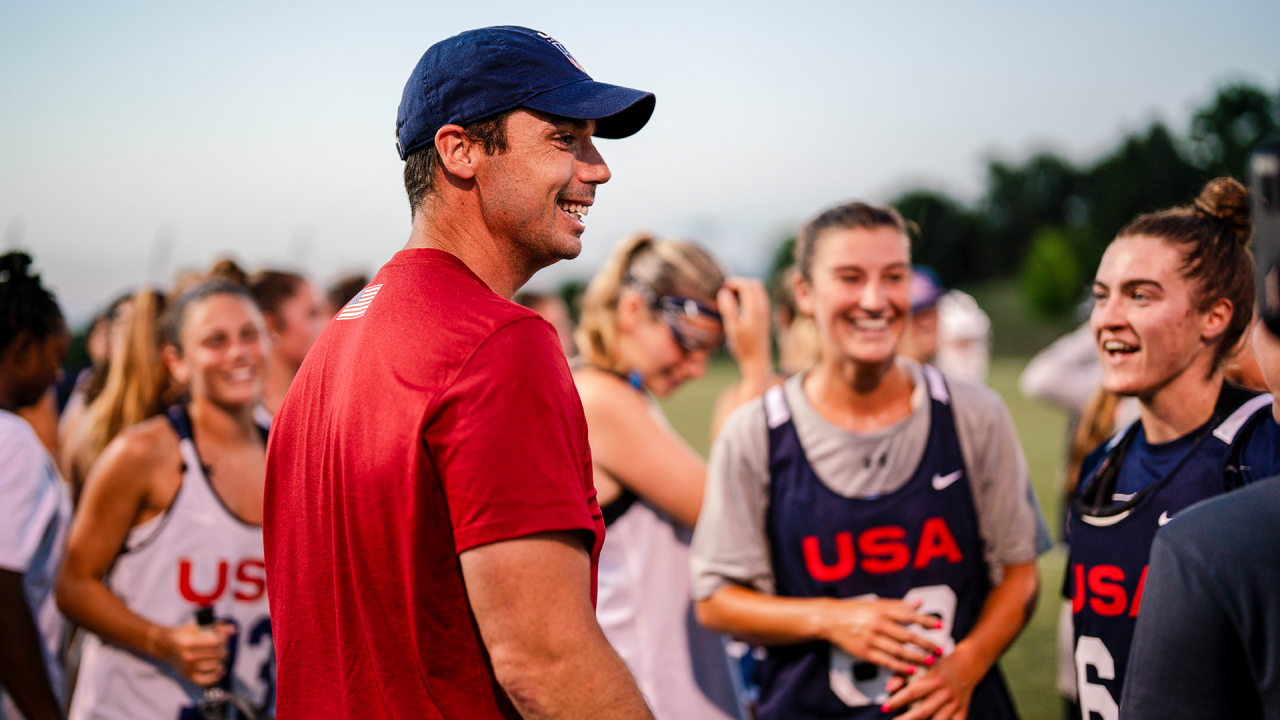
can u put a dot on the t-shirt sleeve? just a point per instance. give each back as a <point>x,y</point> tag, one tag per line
<point>509,441</point>
<point>24,502</point>
<point>730,545</point>
<point>1181,661</point>
<point>1009,517</point>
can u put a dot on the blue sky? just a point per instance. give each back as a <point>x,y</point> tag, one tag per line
<point>140,138</point>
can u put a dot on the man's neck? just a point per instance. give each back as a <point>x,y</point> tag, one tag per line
<point>494,260</point>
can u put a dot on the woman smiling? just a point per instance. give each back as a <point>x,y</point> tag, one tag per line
<point>1173,295</point>
<point>869,522</point>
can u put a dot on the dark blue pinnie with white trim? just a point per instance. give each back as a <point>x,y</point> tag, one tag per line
<point>920,542</point>
<point>1110,537</point>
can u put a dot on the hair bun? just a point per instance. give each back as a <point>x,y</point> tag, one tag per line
<point>229,269</point>
<point>1226,201</point>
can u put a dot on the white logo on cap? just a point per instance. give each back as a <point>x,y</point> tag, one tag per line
<point>563,50</point>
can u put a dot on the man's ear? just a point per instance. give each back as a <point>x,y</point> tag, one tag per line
<point>458,153</point>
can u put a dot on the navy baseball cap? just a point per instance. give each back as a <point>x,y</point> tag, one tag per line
<point>481,73</point>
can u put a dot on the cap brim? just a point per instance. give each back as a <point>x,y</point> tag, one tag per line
<point>619,112</point>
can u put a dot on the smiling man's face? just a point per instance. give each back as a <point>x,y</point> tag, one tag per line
<point>537,192</point>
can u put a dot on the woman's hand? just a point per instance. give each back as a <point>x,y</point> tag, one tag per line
<point>875,631</point>
<point>199,653</point>
<point>744,312</point>
<point>943,692</point>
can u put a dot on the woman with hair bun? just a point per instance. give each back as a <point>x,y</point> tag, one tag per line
<point>650,320</point>
<point>869,521</point>
<point>1173,295</point>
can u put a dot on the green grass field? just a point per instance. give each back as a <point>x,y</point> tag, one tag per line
<point>1029,665</point>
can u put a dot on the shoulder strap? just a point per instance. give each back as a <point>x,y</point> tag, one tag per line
<point>180,420</point>
<point>1230,428</point>
<point>776,411</point>
<point>937,384</point>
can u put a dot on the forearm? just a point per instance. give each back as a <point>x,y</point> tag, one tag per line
<point>88,602</point>
<point>22,670</point>
<point>1006,611</point>
<point>763,619</point>
<point>581,680</point>
<point>531,598</point>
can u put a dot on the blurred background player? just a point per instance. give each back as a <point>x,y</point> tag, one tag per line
<point>553,309</point>
<point>170,520</point>
<point>293,314</point>
<point>867,443</point>
<point>650,319</point>
<point>35,506</point>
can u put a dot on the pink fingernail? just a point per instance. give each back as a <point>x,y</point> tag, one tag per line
<point>937,651</point>
<point>927,661</point>
<point>911,671</point>
<point>938,626</point>
<point>885,708</point>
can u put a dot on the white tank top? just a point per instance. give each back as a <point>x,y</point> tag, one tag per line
<point>645,608</point>
<point>194,554</point>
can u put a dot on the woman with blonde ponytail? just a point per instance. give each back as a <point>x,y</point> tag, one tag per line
<point>650,319</point>
<point>137,387</point>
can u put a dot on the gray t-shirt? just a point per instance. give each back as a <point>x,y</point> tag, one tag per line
<point>730,544</point>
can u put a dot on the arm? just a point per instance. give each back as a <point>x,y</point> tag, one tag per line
<point>869,629</point>
<point>532,601</point>
<point>115,494</point>
<point>944,691</point>
<point>638,451</point>
<point>22,669</point>
<point>1186,659</point>
<point>744,307</point>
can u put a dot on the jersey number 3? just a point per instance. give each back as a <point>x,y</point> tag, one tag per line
<point>858,683</point>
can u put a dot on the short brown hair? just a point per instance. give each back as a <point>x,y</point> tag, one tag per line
<point>421,167</point>
<point>1213,233</point>
<point>850,215</point>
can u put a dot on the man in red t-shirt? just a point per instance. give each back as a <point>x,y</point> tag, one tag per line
<point>431,527</point>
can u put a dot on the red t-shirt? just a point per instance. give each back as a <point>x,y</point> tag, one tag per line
<point>431,417</point>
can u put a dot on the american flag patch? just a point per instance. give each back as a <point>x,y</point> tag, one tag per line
<point>358,304</point>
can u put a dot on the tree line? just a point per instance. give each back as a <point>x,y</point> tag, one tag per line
<point>1048,220</point>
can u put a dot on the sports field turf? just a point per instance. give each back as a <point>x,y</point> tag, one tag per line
<point>1030,664</point>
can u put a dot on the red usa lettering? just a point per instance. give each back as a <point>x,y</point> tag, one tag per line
<point>249,583</point>
<point>883,550</point>
<point>1102,587</point>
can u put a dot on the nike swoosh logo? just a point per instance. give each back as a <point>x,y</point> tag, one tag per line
<point>1164,518</point>
<point>940,482</point>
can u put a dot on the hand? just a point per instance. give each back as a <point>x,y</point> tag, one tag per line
<point>744,311</point>
<point>874,630</point>
<point>199,653</point>
<point>943,692</point>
